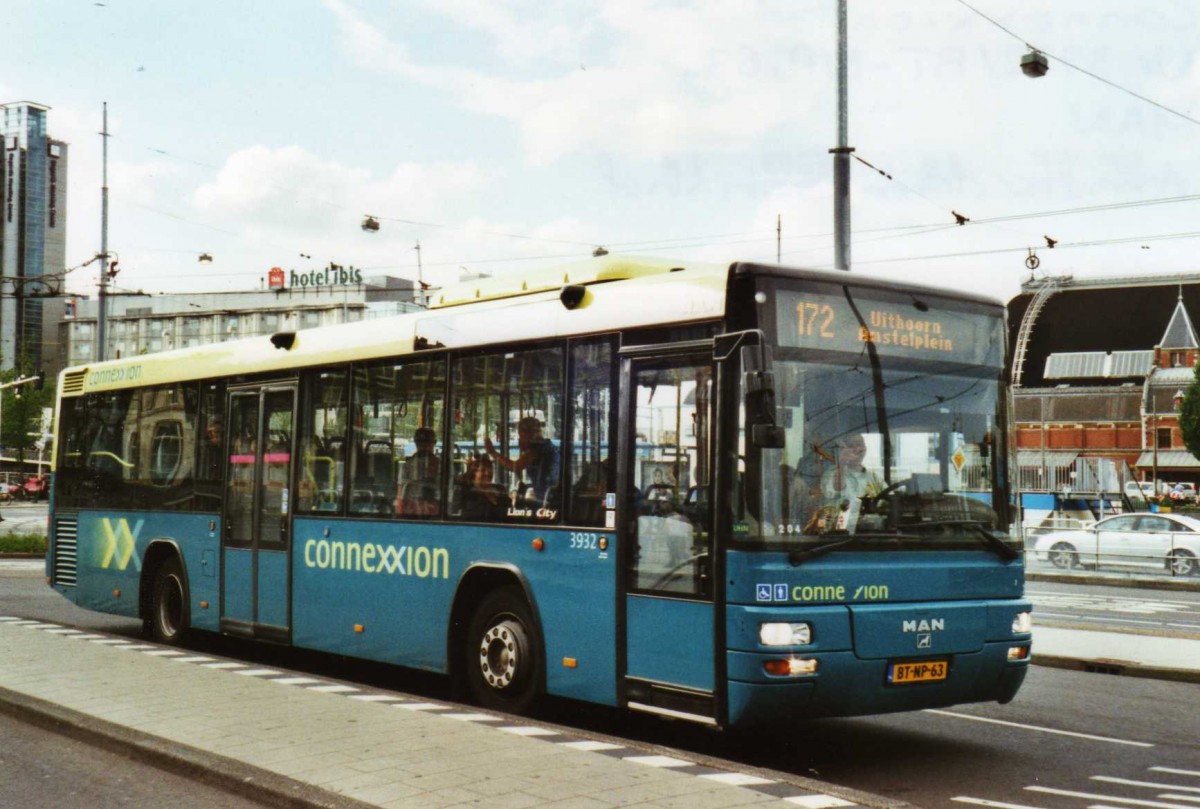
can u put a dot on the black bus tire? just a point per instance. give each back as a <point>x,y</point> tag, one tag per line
<point>170,614</point>
<point>501,657</point>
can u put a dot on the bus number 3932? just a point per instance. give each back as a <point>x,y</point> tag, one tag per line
<point>584,541</point>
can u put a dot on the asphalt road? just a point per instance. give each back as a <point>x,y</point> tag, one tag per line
<point>45,768</point>
<point>1070,739</point>
<point>23,518</point>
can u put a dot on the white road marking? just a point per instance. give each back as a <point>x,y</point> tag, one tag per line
<point>994,804</point>
<point>334,689</point>
<point>1176,772</point>
<point>1169,797</point>
<point>1126,782</point>
<point>1039,729</point>
<point>1091,796</point>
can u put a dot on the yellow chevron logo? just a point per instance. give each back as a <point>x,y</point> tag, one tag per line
<point>118,545</point>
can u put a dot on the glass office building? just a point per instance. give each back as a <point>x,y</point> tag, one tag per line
<point>33,176</point>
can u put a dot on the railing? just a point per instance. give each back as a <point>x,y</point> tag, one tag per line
<point>1070,555</point>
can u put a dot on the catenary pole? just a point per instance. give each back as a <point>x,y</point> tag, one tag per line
<point>102,318</point>
<point>841,154</point>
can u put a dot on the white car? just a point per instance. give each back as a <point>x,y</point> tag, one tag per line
<point>1170,541</point>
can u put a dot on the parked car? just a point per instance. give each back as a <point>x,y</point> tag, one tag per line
<point>1170,541</point>
<point>1144,488</point>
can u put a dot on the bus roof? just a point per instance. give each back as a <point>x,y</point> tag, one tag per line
<point>615,292</point>
<point>621,292</point>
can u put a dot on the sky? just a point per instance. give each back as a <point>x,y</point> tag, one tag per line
<point>506,135</point>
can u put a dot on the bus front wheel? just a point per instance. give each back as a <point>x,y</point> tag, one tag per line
<point>169,604</point>
<point>501,654</point>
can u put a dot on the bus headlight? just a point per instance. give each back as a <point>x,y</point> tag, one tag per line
<point>781,634</point>
<point>1022,623</point>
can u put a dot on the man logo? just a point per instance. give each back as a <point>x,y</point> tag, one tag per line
<point>925,641</point>
<point>118,546</point>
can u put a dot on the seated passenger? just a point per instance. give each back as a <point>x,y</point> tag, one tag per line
<point>481,499</point>
<point>424,464</point>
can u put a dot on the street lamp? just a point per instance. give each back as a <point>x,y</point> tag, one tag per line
<point>1034,64</point>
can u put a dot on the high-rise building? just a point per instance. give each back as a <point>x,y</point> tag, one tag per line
<point>33,228</point>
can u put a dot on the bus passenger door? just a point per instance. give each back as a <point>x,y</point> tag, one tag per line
<point>670,665</point>
<point>256,548</point>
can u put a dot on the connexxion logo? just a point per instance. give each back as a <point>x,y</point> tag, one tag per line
<point>118,543</point>
<point>402,560</point>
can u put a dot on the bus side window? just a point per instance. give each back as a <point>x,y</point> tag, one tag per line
<point>397,438</point>
<point>322,443</point>
<point>509,408</point>
<point>591,419</point>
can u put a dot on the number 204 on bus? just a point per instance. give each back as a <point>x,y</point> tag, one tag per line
<point>730,494</point>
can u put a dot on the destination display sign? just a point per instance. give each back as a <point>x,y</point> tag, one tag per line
<point>896,326</point>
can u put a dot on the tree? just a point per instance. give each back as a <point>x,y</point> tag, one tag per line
<point>1189,415</point>
<point>21,417</point>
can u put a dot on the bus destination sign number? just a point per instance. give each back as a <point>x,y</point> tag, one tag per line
<point>895,328</point>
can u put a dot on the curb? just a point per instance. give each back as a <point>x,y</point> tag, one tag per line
<point>223,773</point>
<point>1124,668</point>
<point>1101,580</point>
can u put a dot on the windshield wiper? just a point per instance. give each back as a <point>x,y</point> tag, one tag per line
<point>994,543</point>
<point>800,556</point>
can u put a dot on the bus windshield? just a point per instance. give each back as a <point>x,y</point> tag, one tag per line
<point>887,442</point>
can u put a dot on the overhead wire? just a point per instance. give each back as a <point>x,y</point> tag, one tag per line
<point>1085,72</point>
<point>711,240</point>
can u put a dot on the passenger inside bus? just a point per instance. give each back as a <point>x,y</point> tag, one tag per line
<point>480,498</point>
<point>589,493</point>
<point>425,464</point>
<point>538,458</point>
<point>418,495</point>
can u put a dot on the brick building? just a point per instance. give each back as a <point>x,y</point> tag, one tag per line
<point>1099,368</point>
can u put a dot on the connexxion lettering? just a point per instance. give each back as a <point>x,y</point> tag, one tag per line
<point>403,560</point>
<point>108,376</point>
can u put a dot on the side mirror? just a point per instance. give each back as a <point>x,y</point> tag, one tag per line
<point>759,384</point>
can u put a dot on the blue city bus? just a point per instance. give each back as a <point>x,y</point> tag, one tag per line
<point>736,494</point>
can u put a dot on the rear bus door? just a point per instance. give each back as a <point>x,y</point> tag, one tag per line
<point>667,563</point>
<point>256,547</point>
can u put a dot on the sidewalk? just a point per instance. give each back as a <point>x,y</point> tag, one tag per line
<point>309,742</point>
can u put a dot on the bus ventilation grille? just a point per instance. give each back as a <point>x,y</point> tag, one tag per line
<point>73,383</point>
<point>66,542</point>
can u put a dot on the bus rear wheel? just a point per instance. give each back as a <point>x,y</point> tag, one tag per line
<point>502,662</point>
<point>169,613</point>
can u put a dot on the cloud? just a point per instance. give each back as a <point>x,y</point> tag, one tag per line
<point>642,78</point>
